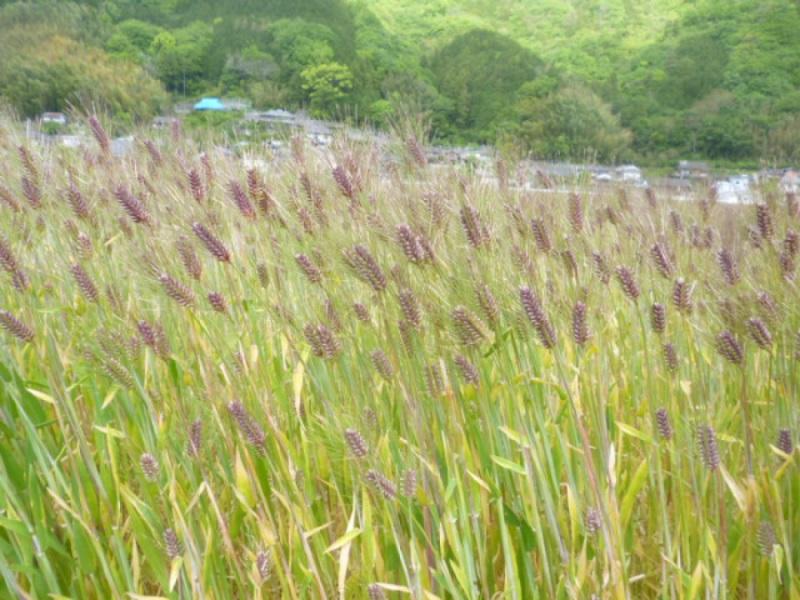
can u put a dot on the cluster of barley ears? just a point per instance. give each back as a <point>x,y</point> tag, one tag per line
<point>358,374</point>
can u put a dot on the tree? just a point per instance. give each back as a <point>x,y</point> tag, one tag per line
<point>570,122</point>
<point>326,85</point>
<point>181,56</point>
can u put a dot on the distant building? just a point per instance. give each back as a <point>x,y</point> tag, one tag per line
<point>629,173</point>
<point>689,169</point>
<point>790,181</point>
<point>54,117</point>
<point>213,104</point>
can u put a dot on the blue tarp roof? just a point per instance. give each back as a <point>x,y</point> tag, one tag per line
<point>209,104</point>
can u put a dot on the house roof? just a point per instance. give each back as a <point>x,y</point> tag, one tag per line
<point>209,104</point>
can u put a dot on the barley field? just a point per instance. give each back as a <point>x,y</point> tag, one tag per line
<point>342,376</point>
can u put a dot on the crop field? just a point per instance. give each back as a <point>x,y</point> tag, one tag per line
<point>340,376</point>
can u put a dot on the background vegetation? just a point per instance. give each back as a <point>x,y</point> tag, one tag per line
<point>614,79</point>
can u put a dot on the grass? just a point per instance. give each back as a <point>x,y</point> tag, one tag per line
<point>466,431</point>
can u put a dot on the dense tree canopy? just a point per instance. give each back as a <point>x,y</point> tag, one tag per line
<point>653,80</point>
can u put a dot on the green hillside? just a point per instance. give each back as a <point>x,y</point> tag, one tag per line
<point>607,79</point>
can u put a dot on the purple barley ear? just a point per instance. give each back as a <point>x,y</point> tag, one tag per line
<point>671,357</point>
<point>342,180</point>
<point>592,521</point>
<point>661,258</point>
<point>658,317</point>
<point>663,424</point>
<point>569,262</point>
<point>787,263</point>
<point>149,466</point>
<point>132,205</point>
<point>676,221</point>
<point>366,267</point>
<point>212,243</point>
<point>791,243</point>
<point>311,270</point>
<point>382,364</point>
<point>20,281</point>
<point>576,216</point>
<point>580,327</point>
<point>652,200</point>
<point>730,348</point>
<point>28,163</point>
<point>785,443</point>
<point>754,237</point>
<point>254,184</point>
<point>768,307</point>
<point>7,198</point>
<point>406,330</point>
<point>411,244</point>
<point>410,308</point>
<point>196,185</point>
<point>332,315</point>
<point>252,432</point>
<point>77,202</point>
<point>83,245</point>
<point>540,235</point>
<point>766,538</point>
<point>15,327</point>
<point>682,296</point>
<point>176,290</point>
<point>792,205</point>
<point>241,200</point>
<point>535,311</point>
<point>189,258</point>
<point>322,341</point>
<point>628,282</point>
<point>488,304</point>
<point>264,565</point>
<point>154,152</point>
<point>764,221</point>
<point>32,192</point>
<point>601,268</point>
<point>172,544</point>
<point>195,442</point>
<point>382,484</point>
<point>468,371</point>
<point>729,267</point>
<point>217,302</point>
<point>416,151</point>
<point>116,371</point>
<point>7,258</point>
<point>85,283</point>
<point>356,443</point>
<point>434,379</point>
<point>469,328</point>
<point>707,445</point>
<point>362,312</point>
<point>100,134</point>
<point>760,333</point>
<point>208,170</point>
<point>475,230</point>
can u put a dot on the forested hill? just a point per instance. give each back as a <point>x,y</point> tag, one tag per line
<point>612,79</point>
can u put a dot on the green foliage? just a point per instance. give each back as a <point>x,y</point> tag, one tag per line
<point>181,56</point>
<point>686,78</point>
<point>569,122</point>
<point>56,73</point>
<point>480,71</point>
<point>327,85</point>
